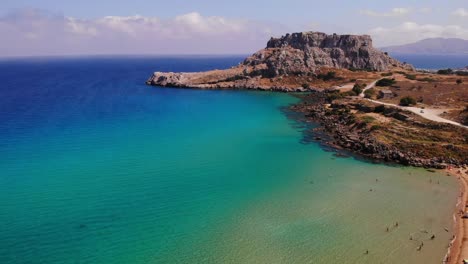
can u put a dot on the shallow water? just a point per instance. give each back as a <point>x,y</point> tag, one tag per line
<point>98,168</point>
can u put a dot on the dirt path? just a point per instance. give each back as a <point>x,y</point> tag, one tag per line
<point>369,86</point>
<point>427,113</point>
<point>430,114</point>
<point>347,86</point>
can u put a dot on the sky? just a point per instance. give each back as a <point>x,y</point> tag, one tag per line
<point>99,27</point>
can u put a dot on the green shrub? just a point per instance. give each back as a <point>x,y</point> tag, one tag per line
<point>357,89</point>
<point>379,109</point>
<point>445,71</point>
<point>369,93</point>
<point>328,76</point>
<point>407,101</point>
<point>410,76</point>
<point>461,73</point>
<point>305,86</point>
<point>426,79</point>
<point>459,81</point>
<point>348,93</point>
<point>386,74</point>
<point>357,69</point>
<point>385,82</point>
<point>333,96</point>
<point>368,119</point>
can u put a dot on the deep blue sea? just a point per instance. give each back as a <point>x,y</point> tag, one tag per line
<point>96,167</point>
<point>433,62</point>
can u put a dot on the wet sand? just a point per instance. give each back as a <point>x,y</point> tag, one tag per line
<point>458,249</point>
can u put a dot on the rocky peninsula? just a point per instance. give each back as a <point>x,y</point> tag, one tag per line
<point>294,62</point>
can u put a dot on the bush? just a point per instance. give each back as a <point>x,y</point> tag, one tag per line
<point>349,93</point>
<point>305,86</point>
<point>358,69</point>
<point>369,93</point>
<point>407,101</point>
<point>386,74</point>
<point>445,71</point>
<point>357,89</point>
<point>326,77</point>
<point>379,109</point>
<point>462,73</point>
<point>333,96</point>
<point>459,81</point>
<point>410,76</point>
<point>426,79</point>
<point>385,82</point>
<point>368,119</point>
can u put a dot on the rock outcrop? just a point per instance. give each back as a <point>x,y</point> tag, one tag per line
<point>297,54</point>
<point>340,129</point>
<point>304,52</point>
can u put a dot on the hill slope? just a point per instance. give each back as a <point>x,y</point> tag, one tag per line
<point>432,46</point>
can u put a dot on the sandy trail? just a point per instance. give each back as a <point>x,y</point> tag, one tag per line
<point>347,86</point>
<point>427,113</point>
<point>369,86</point>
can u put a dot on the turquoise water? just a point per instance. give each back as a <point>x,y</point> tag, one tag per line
<point>98,168</point>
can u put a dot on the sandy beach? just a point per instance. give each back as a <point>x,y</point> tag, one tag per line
<point>458,249</point>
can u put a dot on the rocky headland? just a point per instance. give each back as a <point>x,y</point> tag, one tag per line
<point>294,62</point>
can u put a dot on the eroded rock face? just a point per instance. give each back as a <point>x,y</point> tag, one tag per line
<point>298,54</point>
<point>304,52</point>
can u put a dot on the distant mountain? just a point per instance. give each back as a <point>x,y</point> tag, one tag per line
<point>432,46</point>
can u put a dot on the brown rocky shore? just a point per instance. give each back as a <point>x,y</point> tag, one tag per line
<point>383,133</point>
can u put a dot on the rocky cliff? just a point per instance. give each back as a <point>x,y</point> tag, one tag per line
<point>297,57</point>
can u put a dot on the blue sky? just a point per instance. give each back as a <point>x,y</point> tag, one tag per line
<point>94,27</point>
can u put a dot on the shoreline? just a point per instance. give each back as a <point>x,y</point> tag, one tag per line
<point>340,126</point>
<point>458,246</point>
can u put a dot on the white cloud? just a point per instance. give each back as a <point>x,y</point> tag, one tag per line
<point>79,27</point>
<point>398,11</point>
<point>410,32</point>
<point>461,12</point>
<point>36,32</point>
